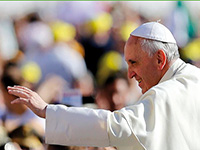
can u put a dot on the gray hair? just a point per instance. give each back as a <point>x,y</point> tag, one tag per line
<point>152,46</point>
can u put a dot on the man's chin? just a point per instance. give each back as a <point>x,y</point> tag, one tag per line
<point>143,90</point>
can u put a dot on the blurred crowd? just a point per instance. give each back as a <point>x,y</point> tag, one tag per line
<point>75,57</point>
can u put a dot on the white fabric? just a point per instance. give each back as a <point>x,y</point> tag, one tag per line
<point>154,31</point>
<point>80,127</point>
<point>167,117</point>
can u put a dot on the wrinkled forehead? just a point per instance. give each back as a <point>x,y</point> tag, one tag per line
<point>132,47</point>
<point>132,44</point>
<point>132,40</point>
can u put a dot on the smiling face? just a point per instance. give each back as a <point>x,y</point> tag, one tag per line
<point>146,70</point>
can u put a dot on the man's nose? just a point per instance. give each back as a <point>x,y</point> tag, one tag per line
<point>131,73</point>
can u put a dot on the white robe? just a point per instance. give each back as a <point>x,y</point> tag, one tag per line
<point>167,117</point>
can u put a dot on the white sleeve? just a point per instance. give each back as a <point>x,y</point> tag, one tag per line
<point>76,126</point>
<point>120,132</point>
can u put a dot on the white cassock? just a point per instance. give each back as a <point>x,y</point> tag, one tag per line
<point>167,117</point>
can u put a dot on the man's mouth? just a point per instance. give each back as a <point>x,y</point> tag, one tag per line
<point>139,81</point>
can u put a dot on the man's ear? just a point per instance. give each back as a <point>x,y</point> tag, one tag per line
<point>161,59</point>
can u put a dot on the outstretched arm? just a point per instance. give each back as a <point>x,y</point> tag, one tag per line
<point>29,98</point>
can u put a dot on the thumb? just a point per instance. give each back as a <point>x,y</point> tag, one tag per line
<point>19,101</point>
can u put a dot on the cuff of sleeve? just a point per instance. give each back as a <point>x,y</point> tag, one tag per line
<point>51,124</point>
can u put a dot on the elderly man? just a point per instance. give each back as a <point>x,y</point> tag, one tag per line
<point>166,116</point>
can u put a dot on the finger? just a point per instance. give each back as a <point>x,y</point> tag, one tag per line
<point>20,101</point>
<point>21,87</point>
<point>10,87</point>
<point>19,93</point>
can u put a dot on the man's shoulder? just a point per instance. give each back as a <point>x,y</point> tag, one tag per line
<point>182,83</point>
<point>186,75</point>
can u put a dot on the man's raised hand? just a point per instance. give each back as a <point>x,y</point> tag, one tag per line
<point>29,98</point>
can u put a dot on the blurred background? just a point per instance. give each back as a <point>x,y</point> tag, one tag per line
<point>71,53</point>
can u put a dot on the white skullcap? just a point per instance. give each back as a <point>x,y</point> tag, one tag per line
<point>154,31</point>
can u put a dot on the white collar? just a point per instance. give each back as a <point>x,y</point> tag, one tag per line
<point>172,70</point>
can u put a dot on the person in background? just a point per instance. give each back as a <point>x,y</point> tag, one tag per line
<point>23,126</point>
<point>114,93</point>
<point>165,117</point>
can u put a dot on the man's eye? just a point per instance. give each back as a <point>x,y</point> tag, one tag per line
<point>132,62</point>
